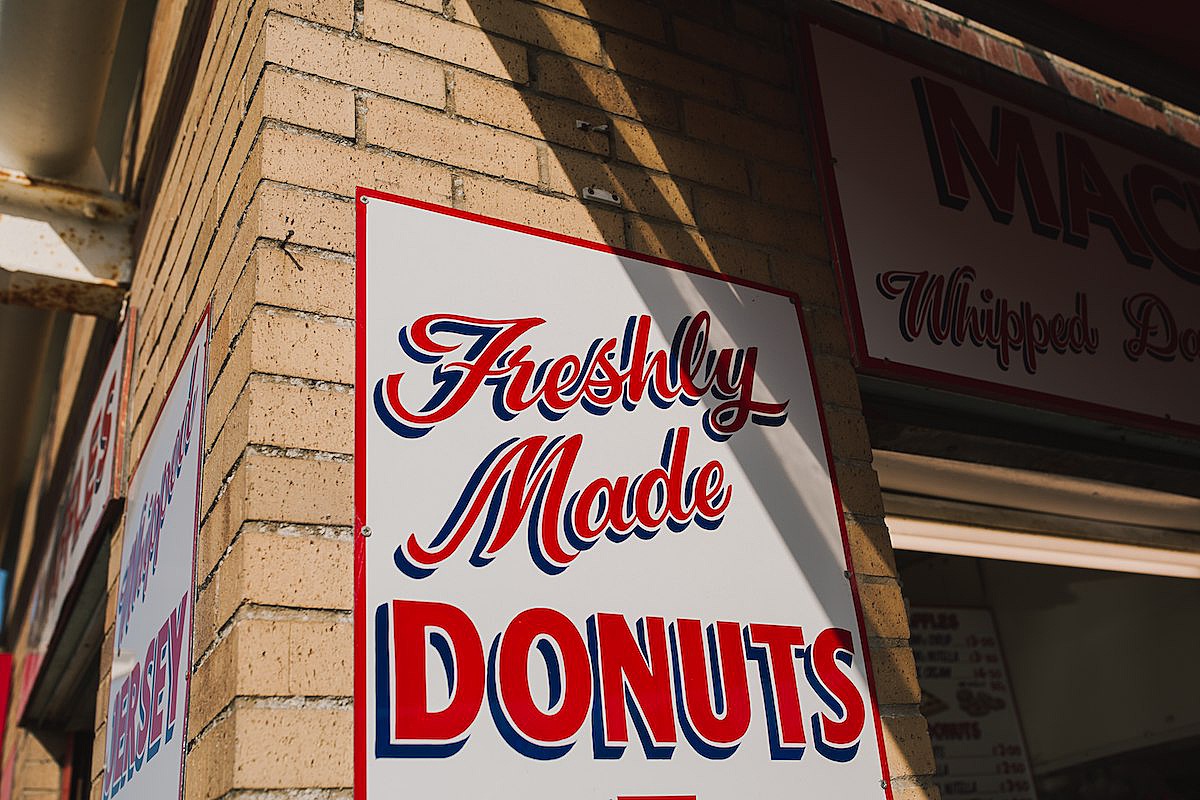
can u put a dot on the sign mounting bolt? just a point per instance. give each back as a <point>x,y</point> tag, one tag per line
<point>366,530</point>
<point>592,193</point>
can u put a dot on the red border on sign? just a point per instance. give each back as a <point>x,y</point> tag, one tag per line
<point>361,196</point>
<point>836,231</point>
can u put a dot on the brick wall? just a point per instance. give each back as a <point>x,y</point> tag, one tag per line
<point>470,103</point>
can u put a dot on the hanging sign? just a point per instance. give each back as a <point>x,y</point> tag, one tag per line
<point>152,647</point>
<point>94,485</point>
<point>988,248</point>
<point>966,697</point>
<point>599,549</point>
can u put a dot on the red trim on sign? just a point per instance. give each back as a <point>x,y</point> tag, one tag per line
<point>836,230</point>
<point>362,195</point>
<point>360,493</point>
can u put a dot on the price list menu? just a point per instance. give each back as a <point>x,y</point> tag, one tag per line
<point>966,698</point>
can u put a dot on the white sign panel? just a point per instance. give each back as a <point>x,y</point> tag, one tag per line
<point>993,249</point>
<point>966,697</point>
<point>95,480</point>
<point>152,653</point>
<point>600,554</point>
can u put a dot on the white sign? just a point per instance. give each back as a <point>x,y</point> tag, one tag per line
<point>600,554</point>
<point>989,248</point>
<point>969,704</point>
<point>96,478</point>
<point>152,652</point>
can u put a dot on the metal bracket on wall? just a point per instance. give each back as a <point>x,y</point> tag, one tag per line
<point>63,247</point>
<point>592,193</point>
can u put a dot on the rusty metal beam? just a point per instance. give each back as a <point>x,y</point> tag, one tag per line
<point>63,247</point>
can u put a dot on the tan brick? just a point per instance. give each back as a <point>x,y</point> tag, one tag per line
<point>787,188</point>
<point>210,763</point>
<point>275,570</point>
<point>464,45</point>
<point>605,90</point>
<point>847,431</point>
<point>740,217</point>
<point>39,775</point>
<point>907,790</point>
<point>895,676</point>
<point>334,13</point>
<point>299,572</point>
<point>533,24</point>
<point>711,12</point>
<point>435,6</point>
<point>205,614</point>
<point>569,217</point>
<point>631,16</point>
<point>308,102</point>
<point>906,741</point>
<point>883,609</point>
<point>320,657</point>
<point>228,448</point>
<point>837,381</point>
<point>225,392</point>
<point>692,247</point>
<point>299,490</point>
<point>812,281</point>
<point>252,659</point>
<point>410,129</point>
<point>287,415</point>
<point>870,547</point>
<point>665,68</point>
<point>859,487</point>
<point>734,52</point>
<point>640,190</point>
<point>767,142</point>
<point>505,106</point>
<point>318,163</point>
<point>779,106</point>
<point>264,650</point>
<point>310,741</point>
<point>759,23</point>
<point>304,280</point>
<point>301,346</point>
<point>217,529</point>
<point>312,219</point>
<point>354,61</point>
<point>679,157</point>
<point>227,323</point>
<point>826,331</point>
<point>214,679</point>
<point>281,414</point>
<point>100,740</point>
